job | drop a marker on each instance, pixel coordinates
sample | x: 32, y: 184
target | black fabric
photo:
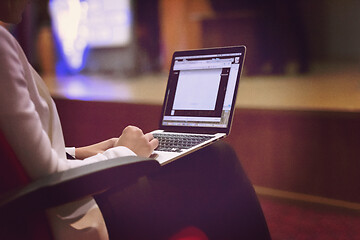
x: 68, y: 156
x: 207, y: 189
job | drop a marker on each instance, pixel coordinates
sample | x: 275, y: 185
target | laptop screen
x: 202, y: 89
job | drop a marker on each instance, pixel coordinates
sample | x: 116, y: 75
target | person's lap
x: 207, y: 189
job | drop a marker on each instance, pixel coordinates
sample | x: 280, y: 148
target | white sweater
x: 30, y: 122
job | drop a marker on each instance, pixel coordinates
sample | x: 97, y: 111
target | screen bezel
x: 206, y: 51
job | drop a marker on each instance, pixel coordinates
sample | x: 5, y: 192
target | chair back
x: 12, y: 177
x: 12, y: 174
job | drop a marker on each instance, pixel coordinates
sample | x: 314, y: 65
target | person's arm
x: 19, y: 117
x: 132, y: 138
x: 91, y: 150
x: 22, y: 119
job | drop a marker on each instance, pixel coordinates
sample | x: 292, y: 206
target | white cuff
x: 111, y: 153
x: 119, y: 151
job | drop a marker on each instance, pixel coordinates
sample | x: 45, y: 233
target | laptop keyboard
x: 177, y: 142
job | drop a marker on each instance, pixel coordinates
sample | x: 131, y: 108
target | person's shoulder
x: 4, y: 33
x: 7, y: 40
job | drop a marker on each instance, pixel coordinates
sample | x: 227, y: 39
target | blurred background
x: 297, y: 124
x: 287, y: 43
x: 134, y: 36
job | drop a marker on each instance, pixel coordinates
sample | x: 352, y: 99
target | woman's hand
x: 91, y: 150
x: 138, y: 142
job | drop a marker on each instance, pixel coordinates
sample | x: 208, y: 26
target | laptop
x: 199, y: 100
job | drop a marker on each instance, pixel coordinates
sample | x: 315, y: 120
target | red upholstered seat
x: 189, y: 233
x: 13, y: 176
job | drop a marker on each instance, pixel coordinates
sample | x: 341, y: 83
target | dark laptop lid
x: 201, y: 91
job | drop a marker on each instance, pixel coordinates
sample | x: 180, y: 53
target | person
x: 207, y: 189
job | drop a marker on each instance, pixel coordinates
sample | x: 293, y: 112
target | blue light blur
x: 80, y: 25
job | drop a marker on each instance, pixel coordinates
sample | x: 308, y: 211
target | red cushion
x: 12, y: 176
x: 190, y: 233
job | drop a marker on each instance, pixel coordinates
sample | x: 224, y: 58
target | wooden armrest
x: 73, y: 184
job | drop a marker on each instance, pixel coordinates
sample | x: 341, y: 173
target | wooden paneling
x: 180, y: 24
x: 310, y: 152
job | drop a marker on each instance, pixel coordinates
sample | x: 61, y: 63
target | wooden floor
x: 333, y: 87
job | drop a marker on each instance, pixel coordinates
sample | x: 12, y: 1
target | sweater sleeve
x: 108, y: 154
